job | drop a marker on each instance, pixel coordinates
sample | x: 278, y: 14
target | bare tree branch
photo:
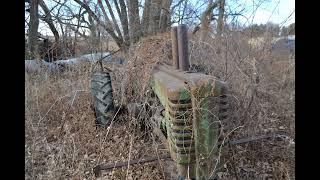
x: 94, y: 16
x: 48, y: 19
x: 173, y: 7
x: 113, y: 18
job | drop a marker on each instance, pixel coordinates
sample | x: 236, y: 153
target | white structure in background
x: 87, y: 57
x: 291, y: 37
x: 37, y: 66
x: 284, y: 42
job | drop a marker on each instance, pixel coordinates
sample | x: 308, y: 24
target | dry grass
x: 262, y: 96
x: 62, y: 141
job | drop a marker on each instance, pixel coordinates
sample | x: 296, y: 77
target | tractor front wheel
x: 101, y: 91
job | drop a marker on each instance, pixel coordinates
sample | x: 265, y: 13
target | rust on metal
x: 183, y: 47
x: 175, y: 58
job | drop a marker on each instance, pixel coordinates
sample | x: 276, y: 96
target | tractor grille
x: 180, y: 132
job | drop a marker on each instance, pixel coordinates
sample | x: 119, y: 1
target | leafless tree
x: 134, y: 21
x: 145, y: 16
x: 120, y: 19
x: 48, y: 19
x: 220, y: 18
x: 206, y: 18
x: 155, y: 18
x: 165, y: 15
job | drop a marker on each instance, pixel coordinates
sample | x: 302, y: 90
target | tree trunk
x: 220, y: 18
x: 117, y: 8
x: 146, y: 16
x: 206, y: 19
x: 93, y: 37
x: 106, y: 18
x: 134, y: 21
x: 33, y: 28
x: 155, y: 8
x: 124, y: 20
x: 165, y: 15
x: 114, y: 19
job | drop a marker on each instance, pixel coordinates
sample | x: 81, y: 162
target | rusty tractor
x: 193, y: 107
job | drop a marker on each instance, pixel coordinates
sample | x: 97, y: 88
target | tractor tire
x: 101, y: 91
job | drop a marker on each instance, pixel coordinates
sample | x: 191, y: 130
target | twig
x: 74, y: 97
x: 59, y: 99
x: 100, y: 60
x: 129, y: 158
x: 97, y: 169
x: 254, y: 138
x: 241, y: 141
x: 220, y: 148
x: 250, y: 139
x: 233, y: 159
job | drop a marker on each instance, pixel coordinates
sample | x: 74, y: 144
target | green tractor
x: 194, y: 105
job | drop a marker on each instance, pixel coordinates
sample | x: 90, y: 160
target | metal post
x: 183, y: 47
x: 175, y: 57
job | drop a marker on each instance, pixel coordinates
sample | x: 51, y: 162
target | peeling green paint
x: 184, y: 94
x: 205, y: 132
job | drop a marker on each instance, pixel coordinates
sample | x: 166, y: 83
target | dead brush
x: 61, y: 137
x: 63, y: 142
x: 261, y: 95
x: 48, y: 98
x: 135, y: 87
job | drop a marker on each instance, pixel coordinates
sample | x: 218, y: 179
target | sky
x: 276, y: 11
x: 255, y: 11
